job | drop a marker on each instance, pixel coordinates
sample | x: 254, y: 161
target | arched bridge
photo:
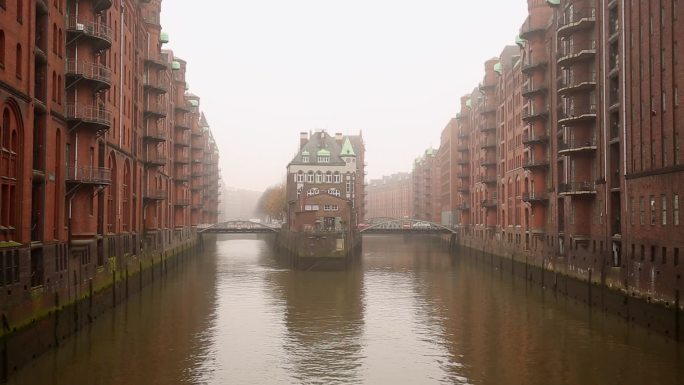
x: 239, y: 227
x: 404, y: 226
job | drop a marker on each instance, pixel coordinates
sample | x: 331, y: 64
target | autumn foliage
x: 273, y: 203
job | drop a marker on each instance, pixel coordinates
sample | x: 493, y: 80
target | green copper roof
x: 553, y: 2
x: 323, y: 152
x: 430, y: 151
x: 164, y: 37
x: 193, y: 103
x: 469, y: 103
x: 498, y: 68
x: 305, y: 152
x: 347, y: 149
x: 175, y: 65
x: 519, y: 41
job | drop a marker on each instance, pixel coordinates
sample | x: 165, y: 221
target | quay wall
x: 47, y: 315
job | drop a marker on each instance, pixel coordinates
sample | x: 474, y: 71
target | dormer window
x: 305, y: 158
x: 324, y: 159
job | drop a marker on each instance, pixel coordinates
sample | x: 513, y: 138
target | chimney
x: 338, y: 137
x: 303, y: 139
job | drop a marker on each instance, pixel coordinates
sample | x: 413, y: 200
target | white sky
x: 395, y: 69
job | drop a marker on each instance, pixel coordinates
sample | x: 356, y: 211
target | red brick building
x: 569, y: 151
x: 105, y: 161
x: 327, y: 171
x: 390, y: 197
x: 426, y: 188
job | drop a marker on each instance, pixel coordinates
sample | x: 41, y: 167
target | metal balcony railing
x: 489, y: 203
x: 88, y: 174
x: 154, y: 133
x: 91, y: 29
x: 532, y: 137
x: 89, y: 114
x: 535, y: 162
x: 90, y: 71
x: 155, y: 194
x: 534, y: 196
x: 586, y: 187
x: 577, y: 145
x: 570, y: 21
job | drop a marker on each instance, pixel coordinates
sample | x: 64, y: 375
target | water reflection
x: 406, y: 313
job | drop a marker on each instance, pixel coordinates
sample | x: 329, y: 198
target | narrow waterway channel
x: 406, y: 313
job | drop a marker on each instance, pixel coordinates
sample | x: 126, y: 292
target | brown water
x: 407, y: 313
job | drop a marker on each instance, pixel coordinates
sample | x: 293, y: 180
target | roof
x: 322, y: 143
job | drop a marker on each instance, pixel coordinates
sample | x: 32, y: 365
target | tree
x: 272, y: 202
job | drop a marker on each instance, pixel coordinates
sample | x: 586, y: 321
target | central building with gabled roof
x: 325, y: 183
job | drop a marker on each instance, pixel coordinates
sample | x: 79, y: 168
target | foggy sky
x: 394, y: 69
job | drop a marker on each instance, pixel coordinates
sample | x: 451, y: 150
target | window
x: 631, y: 211
x: 299, y: 178
x: 641, y: 210
x: 19, y: 61
x: 328, y: 178
x: 305, y: 158
x: 2, y: 49
x: 319, y: 178
x: 652, y: 204
x: 323, y: 159
x: 310, y: 177
x: 20, y: 10
x: 312, y: 192
x: 334, y: 192
x: 338, y: 178
x: 663, y: 209
x: 311, y: 208
x: 327, y: 208
x: 335, y: 207
x: 675, y: 210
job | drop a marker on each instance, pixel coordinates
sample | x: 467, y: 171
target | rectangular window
x: 335, y: 207
x: 676, y: 256
x: 652, y: 204
x: 675, y: 210
x: 663, y: 209
x: 641, y: 210
x: 664, y: 255
x: 305, y: 159
x: 326, y: 207
x: 631, y: 211
x: 310, y: 178
x: 338, y: 178
x: 328, y: 178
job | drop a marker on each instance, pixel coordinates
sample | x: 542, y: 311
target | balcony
x: 183, y: 107
x: 462, y: 148
x: 575, y: 84
x: 88, y: 175
x: 532, y: 114
x: 98, y: 33
x: 463, y: 175
x: 153, y: 19
x: 182, y: 176
x: 488, y: 127
x: 463, y: 162
x: 487, y: 179
x: 577, y: 115
x: 488, y: 144
x: 489, y: 162
x: 487, y: 110
x: 487, y: 86
x: 155, y: 86
x: 182, y: 202
x: 530, y: 137
x: 182, y: 140
x: 535, y: 197
x: 533, y: 26
x: 534, y: 64
x: 88, y: 116
x: 156, y: 61
x: 577, y: 188
x: 572, y: 22
x: 183, y: 123
x: 532, y: 89
x: 573, y: 54
x: 154, y: 194
x: 182, y: 159
x: 463, y: 189
x: 155, y: 110
x: 99, y: 76
x: 154, y: 134
x: 463, y: 207
x: 463, y: 135
x: 577, y: 146
x: 489, y: 203
x: 155, y: 160
x: 530, y: 164
x: 101, y: 5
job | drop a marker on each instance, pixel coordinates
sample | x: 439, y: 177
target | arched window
x: 9, y: 170
x: 2, y: 49
x: 58, y: 86
x: 19, y: 61
x: 20, y: 10
x: 54, y: 38
x: 54, y: 86
x: 319, y: 177
x: 337, y: 177
x: 310, y: 177
x: 60, y: 43
x: 328, y: 177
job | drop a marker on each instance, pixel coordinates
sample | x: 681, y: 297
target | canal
x: 406, y: 313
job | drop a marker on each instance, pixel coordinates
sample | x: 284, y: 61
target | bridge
x: 404, y: 226
x: 239, y: 227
